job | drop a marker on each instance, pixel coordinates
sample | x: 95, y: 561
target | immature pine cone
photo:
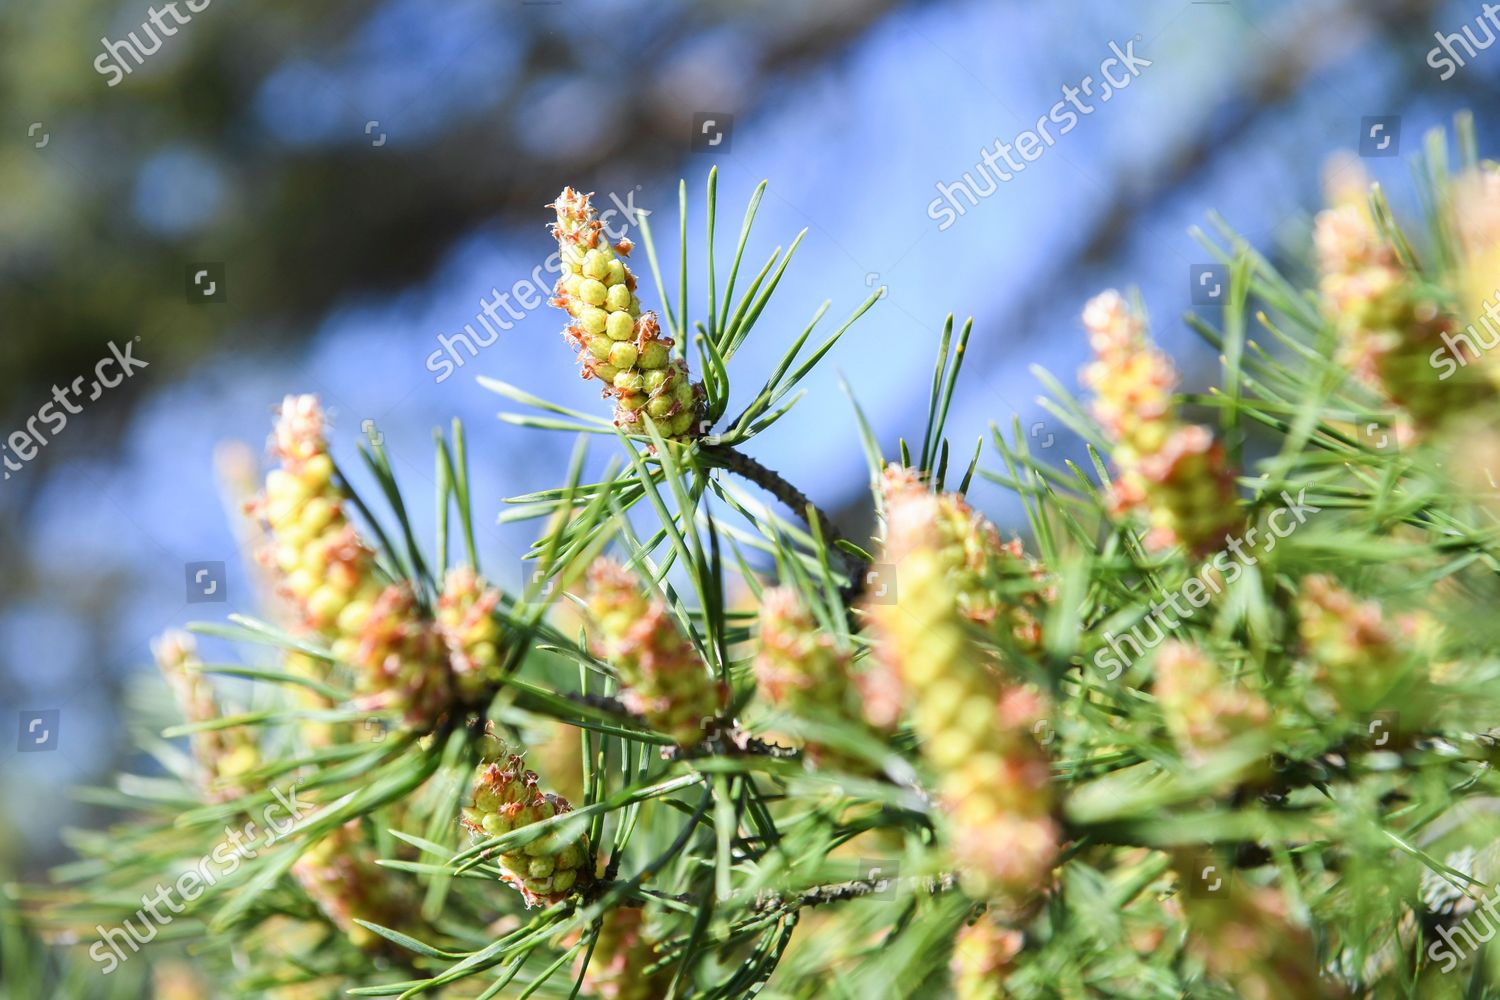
x: 313, y: 733
x: 402, y: 661
x: 1245, y: 937
x: 975, y: 735
x: 1389, y: 325
x: 1203, y: 710
x: 661, y: 675
x: 330, y: 574
x: 339, y: 874
x: 505, y: 799
x: 998, y: 586
x: 1359, y: 653
x: 223, y: 756
x: 1477, y: 215
x: 983, y: 953
x: 800, y: 668
x: 621, y: 954
x: 321, y: 563
x: 466, y: 617
x: 616, y: 343
x: 1175, y: 472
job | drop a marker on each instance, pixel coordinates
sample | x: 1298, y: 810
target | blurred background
x: 287, y: 197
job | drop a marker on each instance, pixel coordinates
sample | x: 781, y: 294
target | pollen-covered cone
x: 339, y: 873
x: 881, y: 695
x: 661, y: 675
x: 223, y: 756
x: 505, y: 799
x: 799, y: 668
x: 1187, y: 489
x: 321, y: 563
x: 1245, y: 937
x: 312, y: 732
x: 329, y: 573
x: 475, y: 641
x: 1476, y: 199
x: 402, y: 660
x: 1133, y: 381
x: 983, y: 953
x: 997, y: 585
x: 1359, y: 653
x: 1203, y: 710
x: 314, y: 554
x: 324, y: 988
x: 616, y: 342
x: 1175, y: 472
x: 176, y: 980
x: 994, y: 780
x: 621, y: 955
x: 1393, y: 331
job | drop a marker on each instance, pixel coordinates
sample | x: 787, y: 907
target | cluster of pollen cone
x: 404, y: 657
x: 946, y: 653
x: 418, y: 663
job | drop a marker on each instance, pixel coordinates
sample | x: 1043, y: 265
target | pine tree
x: 1221, y: 726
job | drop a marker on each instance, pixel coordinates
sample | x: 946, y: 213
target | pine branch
x: 858, y: 888
x: 732, y: 460
x: 721, y: 739
x: 837, y: 892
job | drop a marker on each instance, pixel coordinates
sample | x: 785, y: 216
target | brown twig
x: 853, y: 890
x: 721, y: 738
x: 731, y: 460
x: 834, y: 893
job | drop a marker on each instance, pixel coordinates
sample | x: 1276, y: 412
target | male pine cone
x: 661, y: 676
x: 475, y: 640
x: 622, y: 952
x: 801, y: 669
x: 1173, y: 471
x: 505, y: 799
x: 223, y: 756
x: 617, y: 344
x: 340, y: 875
x: 330, y: 575
x: 976, y: 733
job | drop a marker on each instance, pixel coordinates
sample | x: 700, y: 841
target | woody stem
x: 731, y: 460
